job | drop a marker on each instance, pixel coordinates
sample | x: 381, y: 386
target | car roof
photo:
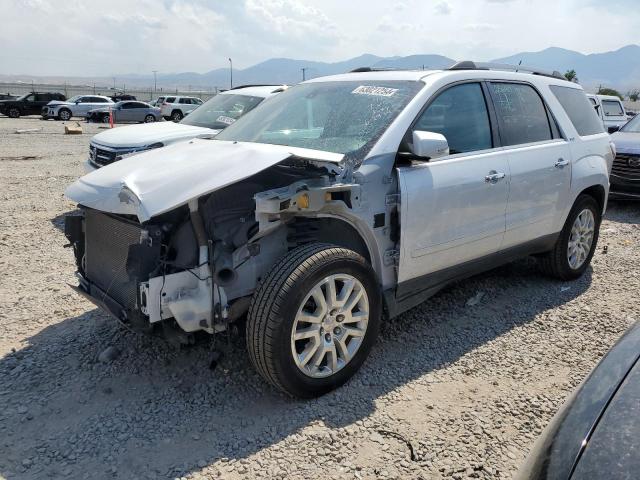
x: 263, y: 91
x: 454, y: 75
x: 608, y: 97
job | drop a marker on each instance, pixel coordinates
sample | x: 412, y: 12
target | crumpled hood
x: 626, y: 142
x: 157, y: 181
x: 149, y: 133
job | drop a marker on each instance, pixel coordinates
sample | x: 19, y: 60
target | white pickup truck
x: 610, y: 110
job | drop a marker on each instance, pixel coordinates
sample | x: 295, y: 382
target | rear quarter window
x: 612, y: 108
x: 579, y: 110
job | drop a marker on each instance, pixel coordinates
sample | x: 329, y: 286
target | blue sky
x: 91, y: 37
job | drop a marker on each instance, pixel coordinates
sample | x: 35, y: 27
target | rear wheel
x: 105, y: 118
x: 577, y: 242
x: 176, y: 115
x: 13, y: 112
x: 149, y: 119
x: 64, y: 114
x: 313, y: 320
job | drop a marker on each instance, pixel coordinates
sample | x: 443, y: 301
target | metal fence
x: 141, y: 93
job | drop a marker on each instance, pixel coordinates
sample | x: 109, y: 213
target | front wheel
x: 149, y: 119
x: 313, y: 319
x: 176, y: 116
x: 64, y: 114
x: 577, y: 242
x: 13, y: 113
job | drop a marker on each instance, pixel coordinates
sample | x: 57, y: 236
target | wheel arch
x: 335, y: 230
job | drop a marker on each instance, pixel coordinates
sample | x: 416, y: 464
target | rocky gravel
x: 459, y: 387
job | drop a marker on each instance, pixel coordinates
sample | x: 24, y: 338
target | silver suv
x: 340, y: 203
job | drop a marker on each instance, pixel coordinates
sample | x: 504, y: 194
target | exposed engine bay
x: 195, y: 267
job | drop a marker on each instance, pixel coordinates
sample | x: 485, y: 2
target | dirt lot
x: 467, y: 387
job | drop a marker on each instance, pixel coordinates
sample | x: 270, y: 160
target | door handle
x: 494, y: 177
x: 561, y: 163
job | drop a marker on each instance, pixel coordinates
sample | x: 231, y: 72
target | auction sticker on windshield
x: 226, y: 120
x: 376, y: 91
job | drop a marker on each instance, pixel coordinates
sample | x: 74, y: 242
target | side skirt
x: 412, y: 292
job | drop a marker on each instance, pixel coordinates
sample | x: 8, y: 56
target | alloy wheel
x: 581, y: 238
x: 330, y: 325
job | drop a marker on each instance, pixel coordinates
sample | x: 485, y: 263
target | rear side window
x: 170, y: 99
x: 612, y: 108
x: 522, y: 114
x: 579, y: 109
x: 460, y: 114
x: 185, y: 100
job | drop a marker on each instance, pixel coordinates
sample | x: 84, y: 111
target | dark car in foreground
x: 596, y: 434
x: 126, y: 112
x: 625, y: 173
x: 28, y: 104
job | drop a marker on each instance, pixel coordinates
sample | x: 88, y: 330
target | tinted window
x: 612, y: 108
x: 99, y: 100
x: 30, y: 98
x: 521, y: 113
x: 579, y: 109
x: 170, y: 99
x: 460, y: 114
x: 185, y: 100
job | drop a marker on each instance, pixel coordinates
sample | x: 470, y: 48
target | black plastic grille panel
x: 627, y: 166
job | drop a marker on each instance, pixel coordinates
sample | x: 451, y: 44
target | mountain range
x: 618, y: 69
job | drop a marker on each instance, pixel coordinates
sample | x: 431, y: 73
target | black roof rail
x: 257, y: 85
x: 374, y: 69
x: 469, y: 65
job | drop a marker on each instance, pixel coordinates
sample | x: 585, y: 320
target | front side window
x: 612, y: 108
x: 460, y: 114
x: 581, y: 113
x: 522, y: 114
x: 339, y: 117
x: 222, y: 110
x: 170, y: 99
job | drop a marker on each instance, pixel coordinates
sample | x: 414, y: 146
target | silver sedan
x: 126, y: 111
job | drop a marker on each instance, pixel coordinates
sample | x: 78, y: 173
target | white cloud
x: 87, y: 37
x: 443, y: 8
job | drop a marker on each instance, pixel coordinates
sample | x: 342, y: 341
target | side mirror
x: 429, y: 145
x: 614, y: 129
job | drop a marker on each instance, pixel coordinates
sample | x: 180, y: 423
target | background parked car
x: 595, y: 434
x: 29, y: 104
x: 175, y: 108
x: 610, y: 110
x: 121, y: 97
x: 77, y: 106
x: 7, y: 96
x: 157, y: 102
x: 126, y: 111
x: 625, y: 173
x: 214, y: 115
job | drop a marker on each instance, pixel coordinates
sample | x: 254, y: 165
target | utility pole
x: 230, y: 73
x: 114, y: 83
x: 304, y: 71
x: 155, y: 82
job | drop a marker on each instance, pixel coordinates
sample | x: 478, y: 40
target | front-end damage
x: 194, y: 267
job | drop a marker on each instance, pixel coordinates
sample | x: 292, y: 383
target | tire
x: 149, y: 119
x: 276, y: 311
x: 64, y: 114
x: 105, y: 118
x: 13, y: 112
x: 558, y: 263
x: 176, y: 115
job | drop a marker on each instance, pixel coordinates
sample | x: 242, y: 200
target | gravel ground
x: 450, y: 390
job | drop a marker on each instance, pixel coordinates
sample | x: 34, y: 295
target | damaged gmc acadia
x: 340, y: 202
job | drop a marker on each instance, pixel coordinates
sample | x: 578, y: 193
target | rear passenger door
x: 453, y: 207
x: 539, y: 161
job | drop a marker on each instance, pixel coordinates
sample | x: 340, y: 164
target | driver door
x: 453, y: 208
